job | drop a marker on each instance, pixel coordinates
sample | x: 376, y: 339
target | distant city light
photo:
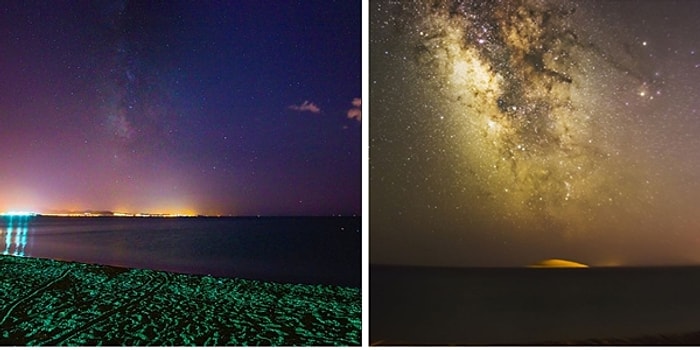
x: 18, y: 213
x: 96, y: 214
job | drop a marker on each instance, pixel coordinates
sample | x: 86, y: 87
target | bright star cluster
x: 526, y: 128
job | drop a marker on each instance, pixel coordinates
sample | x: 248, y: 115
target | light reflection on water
x: 15, y: 231
x: 309, y: 250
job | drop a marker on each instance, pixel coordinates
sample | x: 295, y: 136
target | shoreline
x: 52, y: 302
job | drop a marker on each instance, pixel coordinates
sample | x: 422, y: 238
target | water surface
x: 310, y: 250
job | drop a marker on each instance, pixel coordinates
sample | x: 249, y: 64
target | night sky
x: 209, y: 107
x: 508, y: 132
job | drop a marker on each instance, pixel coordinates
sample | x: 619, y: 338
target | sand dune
x: 558, y: 263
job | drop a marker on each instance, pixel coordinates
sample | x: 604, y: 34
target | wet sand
x: 48, y: 302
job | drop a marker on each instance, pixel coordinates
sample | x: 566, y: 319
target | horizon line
x: 107, y: 213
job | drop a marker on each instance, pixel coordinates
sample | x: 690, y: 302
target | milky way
x: 181, y: 107
x: 517, y: 126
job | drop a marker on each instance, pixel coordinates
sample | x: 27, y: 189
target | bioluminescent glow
x: 16, y: 234
x: 168, y: 308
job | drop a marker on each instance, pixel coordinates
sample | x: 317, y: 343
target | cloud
x: 306, y: 107
x: 356, y: 111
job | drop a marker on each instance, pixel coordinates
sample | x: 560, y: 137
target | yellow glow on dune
x: 549, y: 263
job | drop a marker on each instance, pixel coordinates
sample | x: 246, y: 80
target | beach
x: 521, y: 306
x: 51, y: 302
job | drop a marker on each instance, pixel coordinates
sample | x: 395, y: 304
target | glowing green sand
x: 47, y: 302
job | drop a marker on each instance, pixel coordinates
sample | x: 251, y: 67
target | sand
x: 518, y: 306
x: 692, y: 338
x: 48, y: 302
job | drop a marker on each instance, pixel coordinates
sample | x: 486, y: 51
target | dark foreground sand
x: 668, y: 339
x: 47, y: 302
x: 518, y: 306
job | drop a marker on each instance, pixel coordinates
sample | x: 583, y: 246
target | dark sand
x: 668, y: 339
x: 47, y: 302
x: 519, y: 306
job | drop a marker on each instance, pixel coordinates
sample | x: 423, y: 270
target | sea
x: 523, y: 306
x: 303, y: 250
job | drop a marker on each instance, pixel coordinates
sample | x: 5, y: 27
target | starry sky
x: 508, y: 132
x: 215, y: 107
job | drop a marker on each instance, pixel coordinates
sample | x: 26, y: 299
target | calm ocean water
x: 420, y: 305
x: 310, y: 250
